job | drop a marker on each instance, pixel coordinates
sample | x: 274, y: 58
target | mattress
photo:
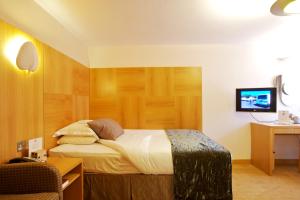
x: 96, y: 158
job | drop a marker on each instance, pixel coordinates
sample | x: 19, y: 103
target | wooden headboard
x: 150, y: 98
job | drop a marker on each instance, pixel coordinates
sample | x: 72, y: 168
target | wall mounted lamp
x: 286, y: 7
x: 27, y: 58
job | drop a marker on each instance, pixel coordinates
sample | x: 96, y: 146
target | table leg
x: 262, y: 155
x: 299, y: 153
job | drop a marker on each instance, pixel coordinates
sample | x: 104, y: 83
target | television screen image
x: 256, y: 99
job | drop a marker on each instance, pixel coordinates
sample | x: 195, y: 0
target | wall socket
x: 21, y: 145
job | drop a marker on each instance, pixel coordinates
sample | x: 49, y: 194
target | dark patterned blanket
x: 202, y: 168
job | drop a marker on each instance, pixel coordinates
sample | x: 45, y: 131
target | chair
x: 30, y: 181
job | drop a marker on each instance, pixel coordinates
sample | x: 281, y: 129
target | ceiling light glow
x: 293, y: 8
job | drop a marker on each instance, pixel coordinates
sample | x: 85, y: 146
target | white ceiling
x: 73, y: 26
x: 152, y: 22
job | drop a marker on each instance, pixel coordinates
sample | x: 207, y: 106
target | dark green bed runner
x: 202, y: 168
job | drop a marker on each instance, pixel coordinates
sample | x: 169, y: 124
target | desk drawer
x: 297, y: 130
x: 284, y: 130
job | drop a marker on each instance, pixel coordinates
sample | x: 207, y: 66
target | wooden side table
x: 71, y: 170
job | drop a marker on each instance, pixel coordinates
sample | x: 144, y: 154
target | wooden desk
x: 71, y: 169
x: 262, y: 143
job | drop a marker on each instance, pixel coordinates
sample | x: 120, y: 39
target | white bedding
x: 136, y: 151
x: 148, y: 150
x: 96, y: 158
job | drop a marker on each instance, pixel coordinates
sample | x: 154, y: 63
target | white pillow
x: 79, y: 128
x: 68, y: 139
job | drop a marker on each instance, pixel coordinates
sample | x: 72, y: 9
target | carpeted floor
x: 250, y: 183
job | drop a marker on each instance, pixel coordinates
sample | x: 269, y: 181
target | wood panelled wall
x: 66, y: 93
x: 58, y: 93
x: 35, y: 104
x: 152, y: 98
x: 21, y: 97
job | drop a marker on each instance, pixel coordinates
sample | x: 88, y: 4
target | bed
x: 153, y: 164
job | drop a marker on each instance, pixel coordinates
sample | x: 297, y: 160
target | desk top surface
x: 277, y: 125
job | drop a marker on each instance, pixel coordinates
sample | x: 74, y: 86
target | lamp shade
x: 27, y: 58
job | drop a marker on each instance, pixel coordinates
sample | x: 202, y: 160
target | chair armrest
x: 27, y: 178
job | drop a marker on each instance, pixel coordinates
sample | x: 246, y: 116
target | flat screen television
x: 256, y: 99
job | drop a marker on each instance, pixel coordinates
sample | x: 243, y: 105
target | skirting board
x: 241, y: 161
x: 277, y: 161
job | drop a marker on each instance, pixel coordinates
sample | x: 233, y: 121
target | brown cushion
x: 106, y: 128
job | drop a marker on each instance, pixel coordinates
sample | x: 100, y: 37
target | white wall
x: 225, y: 68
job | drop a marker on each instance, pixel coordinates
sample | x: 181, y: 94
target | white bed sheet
x: 96, y: 158
x: 148, y: 150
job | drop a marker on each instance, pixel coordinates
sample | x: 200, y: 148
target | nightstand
x: 70, y: 170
